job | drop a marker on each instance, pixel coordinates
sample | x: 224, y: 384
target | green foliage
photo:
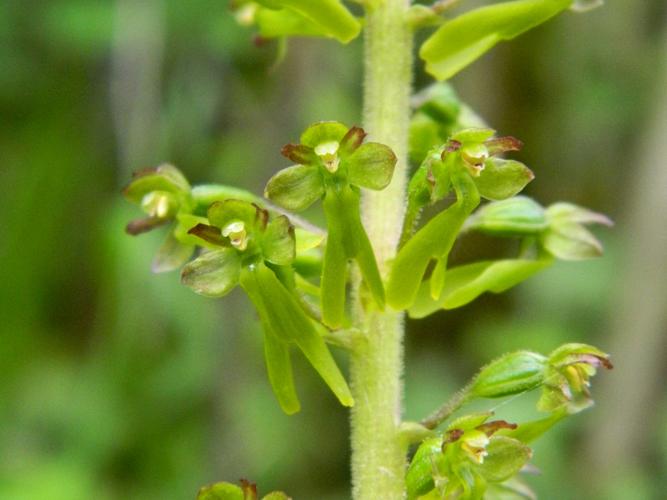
x: 229, y: 491
x: 466, y: 38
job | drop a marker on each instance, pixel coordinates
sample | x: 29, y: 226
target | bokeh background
x: 118, y: 384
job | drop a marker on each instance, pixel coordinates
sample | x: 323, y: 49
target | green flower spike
x: 229, y: 491
x: 468, y: 163
x: 252, y: 251
x: 466, y: 459
x: 567, y: 377
x: 332, y: 164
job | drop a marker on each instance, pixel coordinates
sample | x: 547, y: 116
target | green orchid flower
x: 466, y: 459
x: 467, y: 163
x: 248, y: 249
x: 165, y: 195
x: 333, y: 162
x: 567, y: 377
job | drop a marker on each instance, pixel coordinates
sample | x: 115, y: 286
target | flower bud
x: 518, y: 216
x: 567, y: 377
x: 510, y: 374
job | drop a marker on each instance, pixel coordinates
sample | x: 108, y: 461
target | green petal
x: 501, y: 179
x: 570, y: 241
x: 575, y: 213
x: 207, y: 194
x: 163, y: 178
x: 278, y: 243
x: 371, y: 166
x: 459, y: 42
x: 213, y: 274
x: 321, y: 132
x: 295, y: 188
x: 306, y: 240
x: 290, y: 323
x: 171, y: 255
x: 222, y: 213
x: 528, y: 432
x: 506, y: 457
x: 279, y: 368
x: 463, y: 284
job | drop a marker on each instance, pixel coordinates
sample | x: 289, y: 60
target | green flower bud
x: 510, y: 374
x: 518, y: 216
x: 567, y: 377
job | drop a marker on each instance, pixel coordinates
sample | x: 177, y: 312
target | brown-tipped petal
x: 208, y: 233
x: 489, y: 428
x: 298, y: 153
x: 499, y: 145
x: 249, y: 489
x: 452, y: 146
x: 144, y: 225
x: 352, y: 140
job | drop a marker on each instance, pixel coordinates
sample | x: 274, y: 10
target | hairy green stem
x: 378, y: 452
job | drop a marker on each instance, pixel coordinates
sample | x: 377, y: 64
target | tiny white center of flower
x: 328, y: 152
x: 475, y: 446
x: 237, y: 235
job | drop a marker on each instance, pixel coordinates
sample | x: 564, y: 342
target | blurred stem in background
x: 630, y: 399
x: 136, y: 66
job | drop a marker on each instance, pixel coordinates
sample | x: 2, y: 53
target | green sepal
x: 276, y: 495
x: 184, y: 224
x: 470, y: 421
x: 278, y: 241
x: 221, y: 491
x: 327, y: 18
x: 214, y: 273
x: 506, y: 457
x: 171, y: 255
x: 510, y: 374
x: 461, y: 41
x: 570, y: 241
x: 501, y: 179
x: 419, y: 477
x: 371, y: 166
x: 346, y: 239
x: 307, y: 240
x: 223, y: 213
x: 279, y: 369
x: 206, y: 194
x: 465, y: 283
x: 563, y: 211
x: 527, y: 432
x: 433, y: 241
x: 165, y: 178
x: 289, y: 323
x: 473, y: 135
x: 323, y: 132
x: 519, y: 216
x: 295, y: 188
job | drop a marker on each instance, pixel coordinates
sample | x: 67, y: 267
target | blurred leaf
x: 461, y: 41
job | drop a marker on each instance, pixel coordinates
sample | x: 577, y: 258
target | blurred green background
x: 118, y: 384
